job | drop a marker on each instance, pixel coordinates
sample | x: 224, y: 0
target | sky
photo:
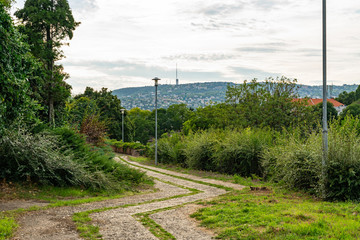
x: 126, y: 43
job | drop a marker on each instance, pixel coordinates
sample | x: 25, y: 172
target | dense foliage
x: 16, y: 65
x: 31, y: 151
x: 227, y: 151
x: 291, y: 158
x: 61, y: 157
x: 256, y: 104
x: 349, y: 97
x: 47, y: 23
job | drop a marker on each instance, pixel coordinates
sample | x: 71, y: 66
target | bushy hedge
x: 120, y: 146
x: 61, y: 157
x: 240, y: 152
x: 293, y: 159
x: 297, y: 162
x: 171, y: 148
x: 227, y: 151
x: 200, y: 149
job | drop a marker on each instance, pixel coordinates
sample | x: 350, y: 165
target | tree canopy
x: 16, y: 66
x: 47, y: 23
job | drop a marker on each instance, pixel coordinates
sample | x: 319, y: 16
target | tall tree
x: 48, y: 23
x: 16, y: 66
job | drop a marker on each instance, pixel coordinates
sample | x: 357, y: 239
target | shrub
x: 200, y: 147
x: 123, y: 147
x: 93, y: 128
x: 62, y: 157
x: 99, y: 158
x: 343, y: 167
x: 38, y: 158
x: 240, y: 151
x: 294, y: 161
x: 171, y: 148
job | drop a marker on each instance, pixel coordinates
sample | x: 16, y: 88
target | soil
x: 57, y: 224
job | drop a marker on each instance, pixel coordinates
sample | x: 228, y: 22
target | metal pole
x: 122, y: 127
x: 156, y: 163
x: 325, y: 127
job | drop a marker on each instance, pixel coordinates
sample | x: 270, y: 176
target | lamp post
x: 325, y: 127
x: 156, y: 79
x: 122, y: 124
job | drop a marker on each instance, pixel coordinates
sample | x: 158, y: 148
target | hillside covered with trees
x: 196, y: 95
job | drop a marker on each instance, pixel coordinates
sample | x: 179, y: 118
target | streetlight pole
x: 122, y: 124
x: 325, y: 127
x: 156, y: 79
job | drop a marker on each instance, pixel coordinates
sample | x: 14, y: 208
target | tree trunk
x: 51, y: 111
x: 50, y: 64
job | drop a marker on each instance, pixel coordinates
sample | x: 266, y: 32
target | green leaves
x: 16, y: 65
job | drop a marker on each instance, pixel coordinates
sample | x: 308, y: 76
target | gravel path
x: 57, y: 224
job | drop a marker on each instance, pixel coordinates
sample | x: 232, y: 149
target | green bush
x: 297, y: 161
x: 62, y: 157
x: 294, y: 161
x: 200, y: 148
x: 99, y: 158
x: 124, y: 146
x: 343, y: 168
x: 240, y: 151
x: 37, y: 158
x: 171, y: 148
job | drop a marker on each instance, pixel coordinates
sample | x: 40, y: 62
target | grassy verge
x: 277, y: 215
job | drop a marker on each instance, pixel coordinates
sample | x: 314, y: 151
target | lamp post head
x: 122, y: 110
x: 156, y: 79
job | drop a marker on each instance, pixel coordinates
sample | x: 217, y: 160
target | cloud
x: 259, y: 49
x: 202, y: 57
x: 269, y: 4
x: 83, y: 5
x: 250, y: 73
x: 221, y: 9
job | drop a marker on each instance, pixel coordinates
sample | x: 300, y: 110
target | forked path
x: 175, y: 189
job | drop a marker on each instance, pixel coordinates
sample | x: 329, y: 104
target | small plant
x: 93, y: 128
x: 7, y: 224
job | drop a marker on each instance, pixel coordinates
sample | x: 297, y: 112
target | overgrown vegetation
x: 61, y: 157
x: 291, y: 158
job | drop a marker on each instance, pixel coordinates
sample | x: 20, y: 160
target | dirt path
x: 119, y: 223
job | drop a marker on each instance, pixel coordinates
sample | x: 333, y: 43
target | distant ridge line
x: 200, y: 94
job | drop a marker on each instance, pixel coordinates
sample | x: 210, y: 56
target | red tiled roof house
x: 314, y: 101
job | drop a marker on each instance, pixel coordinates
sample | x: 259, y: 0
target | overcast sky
x: 125, y: 43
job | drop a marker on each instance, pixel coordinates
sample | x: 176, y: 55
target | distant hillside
x: 200, y: 94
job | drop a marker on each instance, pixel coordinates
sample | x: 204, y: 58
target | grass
x: 7, y: 224
x: 153, y: 227
x: 278, y: 215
